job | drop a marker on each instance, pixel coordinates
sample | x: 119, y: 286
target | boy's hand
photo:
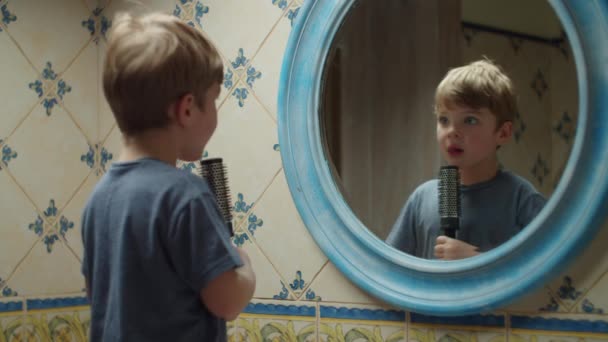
x: 451, y: 249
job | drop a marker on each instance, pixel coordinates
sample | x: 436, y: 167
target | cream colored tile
x: 268, y: 282
x: 368, y: 322
x: 595, y: 302
x: 74, y: 211
x: 106, y: 117
x: 82, y: 102
x: 48, y: 273
x: 583, y: 273
x: 50, y: 31
x: 255, y: 20
x: 269, y: 61
x: 540, y: 300
x: 276, y: 321
x: 49, y: 165
x: 16, y: 75
x: 285, y: 240
x: 331, y: 285
x: 17, y: 214
x: 244, y: 138
x: 113, y: 146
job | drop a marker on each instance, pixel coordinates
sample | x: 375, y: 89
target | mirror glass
x: 377, y: 114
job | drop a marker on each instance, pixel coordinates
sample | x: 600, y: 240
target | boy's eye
x: 442, y: 120
x: 471, y: 120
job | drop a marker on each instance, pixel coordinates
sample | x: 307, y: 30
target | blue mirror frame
x: 481, y: 284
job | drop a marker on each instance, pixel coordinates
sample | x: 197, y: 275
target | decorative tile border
x: 56, y: 303
x: 12, y: 306
x: 279, y: 309
x: 490, y: 321
x: 362, y: 314
x: 556, y: 324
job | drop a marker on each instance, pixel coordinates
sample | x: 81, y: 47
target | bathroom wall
x: 57, y: 137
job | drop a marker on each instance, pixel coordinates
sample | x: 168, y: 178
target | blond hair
x: 480, y: 84
x: 150, y: 63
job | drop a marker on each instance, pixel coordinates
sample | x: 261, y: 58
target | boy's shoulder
x: 517, y: 181
x: 149, y: 178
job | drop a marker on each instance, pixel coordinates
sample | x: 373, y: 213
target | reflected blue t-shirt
x: 153, y: 238
x: 491, y: 213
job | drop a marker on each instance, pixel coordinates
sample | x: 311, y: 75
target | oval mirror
x: 569, y: 219
x: 378, y: 120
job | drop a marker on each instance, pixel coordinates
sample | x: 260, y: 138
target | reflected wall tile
x: 16, y: 239
x: 255, y: 20
x: 274, y: 321
x: 49, y: 269
x: 56, y: 170
x: 481, y: 328
x: 84, y: 83
x: 50, y: 31
x: 286, y: 241
x: 346, y: 322
x: 16, y: 74
x: 331, y: 285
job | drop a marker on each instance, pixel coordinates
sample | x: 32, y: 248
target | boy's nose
x: 453, y: 131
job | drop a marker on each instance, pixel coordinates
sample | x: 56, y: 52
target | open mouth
x: 455, y: 151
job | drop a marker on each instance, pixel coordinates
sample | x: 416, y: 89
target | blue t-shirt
x: 491, y: 213
x: 153, y: 238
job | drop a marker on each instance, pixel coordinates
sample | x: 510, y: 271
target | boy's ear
x: 504, y: 132
x: 181, y: 110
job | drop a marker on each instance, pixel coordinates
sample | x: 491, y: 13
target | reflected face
x: 467, y: 137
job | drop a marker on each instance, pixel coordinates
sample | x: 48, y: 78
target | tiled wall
x: 58, y: 137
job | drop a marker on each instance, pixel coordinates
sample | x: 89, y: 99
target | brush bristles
x: 216, y: 175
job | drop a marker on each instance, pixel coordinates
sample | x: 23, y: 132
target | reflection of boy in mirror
x: 475, y: 107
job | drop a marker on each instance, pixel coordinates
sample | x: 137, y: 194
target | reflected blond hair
x: 480, y: 84
x: 151, y: 62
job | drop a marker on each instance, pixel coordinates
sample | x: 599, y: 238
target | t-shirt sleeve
x: 198, y: 243
x: 529, y: 207
x: 403, y: 233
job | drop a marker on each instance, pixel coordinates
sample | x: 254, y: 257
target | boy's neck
x: 157, y: 144
x: 479, y: 173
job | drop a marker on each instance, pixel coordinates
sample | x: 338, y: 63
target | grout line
x: 25, y: 117
x: 271, y: 31
x: 309, y: 286
x: 20, y: 262
x: 261, y: 103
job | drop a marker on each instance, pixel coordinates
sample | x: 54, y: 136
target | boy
x: 475, y: 107
x: 158, y: 261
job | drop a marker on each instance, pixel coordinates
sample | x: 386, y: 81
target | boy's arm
x: 229, y: 293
